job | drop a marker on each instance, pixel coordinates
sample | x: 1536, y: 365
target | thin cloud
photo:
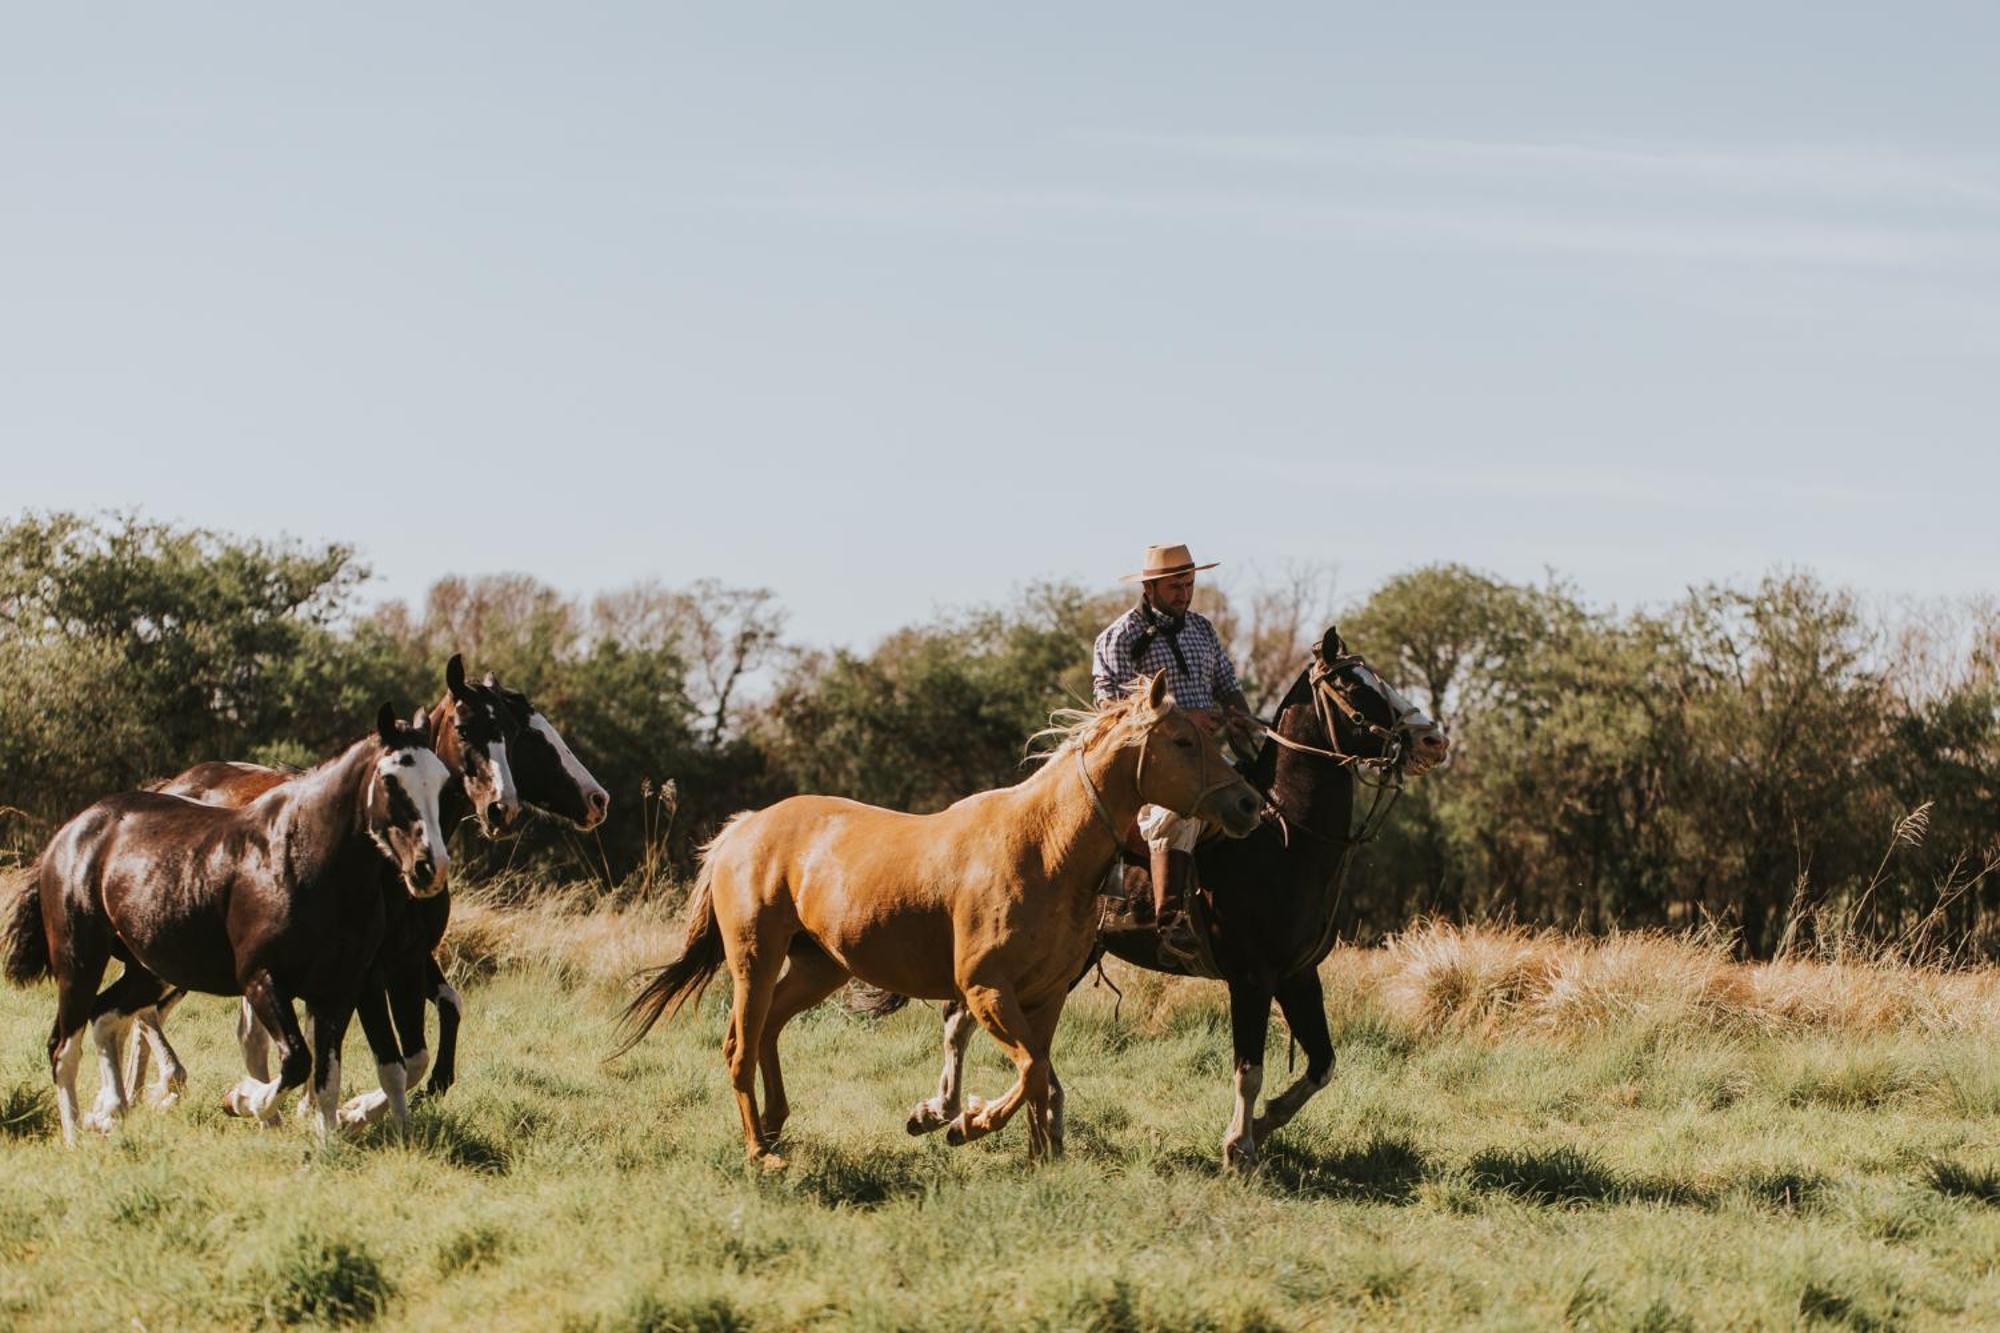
x: 1895, y: 176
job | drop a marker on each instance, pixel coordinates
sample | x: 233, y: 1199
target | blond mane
x: 1076, y: 728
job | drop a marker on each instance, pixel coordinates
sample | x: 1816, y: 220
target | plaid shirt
x: 1114, y: 661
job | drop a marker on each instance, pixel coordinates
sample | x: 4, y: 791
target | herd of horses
x: 329, y: 888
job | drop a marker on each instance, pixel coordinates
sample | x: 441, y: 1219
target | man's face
x: 1172, y: 595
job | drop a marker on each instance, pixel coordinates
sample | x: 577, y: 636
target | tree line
x: 1772, y: 757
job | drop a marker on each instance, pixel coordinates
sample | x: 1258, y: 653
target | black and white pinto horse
x: 276, y: 900
x: 502, y: 754
x: 1267, y: 902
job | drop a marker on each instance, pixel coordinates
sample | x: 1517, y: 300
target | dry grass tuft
x: 1433, y: 979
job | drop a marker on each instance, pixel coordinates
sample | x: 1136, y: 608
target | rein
x: 1387, y: 784
x: 1139, y: 785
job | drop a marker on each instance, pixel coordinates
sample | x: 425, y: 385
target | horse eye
x: 406, y: 761
x: 1185, y: 743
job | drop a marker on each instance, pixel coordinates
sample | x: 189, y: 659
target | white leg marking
x: 417, y: 1063
x: 144, y: 1020
x: 69, y: 1055
x: 256, y: 1043
x: 172, y: 1082
x: 109, y: 1034
x: 1239, y: 1145
x: 328, y: 1120
x: 392, y: 1097
x: 941, y: 1110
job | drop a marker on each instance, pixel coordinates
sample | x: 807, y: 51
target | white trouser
x: 1164, y: 830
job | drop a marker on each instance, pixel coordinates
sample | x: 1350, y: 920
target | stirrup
x: 1174, y: 942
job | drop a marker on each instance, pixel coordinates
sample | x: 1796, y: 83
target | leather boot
x: 1173, y: 880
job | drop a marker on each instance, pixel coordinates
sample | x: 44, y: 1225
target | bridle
x: 1208, y: 788
x: 1383, y: 776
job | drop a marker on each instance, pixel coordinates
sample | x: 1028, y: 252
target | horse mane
x: 1262, y: 771
x: 1075, y: 728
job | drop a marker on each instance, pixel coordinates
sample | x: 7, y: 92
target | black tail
x: 873, y: 1002
x: 27, y: 943
x: 685, y: 978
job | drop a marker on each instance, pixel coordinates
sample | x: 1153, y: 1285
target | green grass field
x: 1638, y: 1171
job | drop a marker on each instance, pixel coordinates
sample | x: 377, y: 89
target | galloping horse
x: 992, y: 901
x: 502, y: 753
x: 271, y: 901
x: 1267, y: 901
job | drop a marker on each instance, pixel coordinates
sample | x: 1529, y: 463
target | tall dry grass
x: 1433, y: 979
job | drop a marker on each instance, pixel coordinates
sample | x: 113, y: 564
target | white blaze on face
x: 421, y: 776
x: 572, y: 767
x: 504, y: 790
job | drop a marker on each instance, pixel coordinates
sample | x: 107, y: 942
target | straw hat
x: 1163, y: 562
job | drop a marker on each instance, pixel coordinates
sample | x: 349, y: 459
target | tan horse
x: 992, y: 901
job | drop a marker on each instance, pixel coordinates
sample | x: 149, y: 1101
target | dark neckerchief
x: 1158, y: 623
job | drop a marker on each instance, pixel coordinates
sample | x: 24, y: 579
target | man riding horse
x: 1162, y: 633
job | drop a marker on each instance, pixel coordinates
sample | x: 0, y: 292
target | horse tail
x: 27, y: 942
x: 873, y: 1002
x: 669, y: 988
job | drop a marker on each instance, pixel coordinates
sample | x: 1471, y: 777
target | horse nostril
x: 600, y: 802
x: 496, y: 815
x: 424, y: 870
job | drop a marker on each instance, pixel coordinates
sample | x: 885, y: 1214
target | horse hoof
x: 770, y: 1161
x: 1239, y: 1158
x: 99, y: 1121
x: 963, y: 1131
x: 923, y: 1120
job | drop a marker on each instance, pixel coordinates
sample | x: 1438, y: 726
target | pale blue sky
x: 891, y: 307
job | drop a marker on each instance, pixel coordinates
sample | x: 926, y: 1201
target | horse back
x: 223, y: 782
x: 159, y: 874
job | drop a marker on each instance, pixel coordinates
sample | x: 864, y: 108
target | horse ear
x: 385, y: 726
x: 1156, y: 693
x: 1332, y: 645
x: 421, y: 723
x: 454, y: 678
x: 492, y: 682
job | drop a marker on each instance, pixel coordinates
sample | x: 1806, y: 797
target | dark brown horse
x: 501, y: 752
x: 1266, y: 903
x: 469, y: 730
x: 275, y: 901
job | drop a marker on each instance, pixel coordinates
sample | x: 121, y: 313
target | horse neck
x: 453, y: 803
x: 1072, y: 832
x: 323, y: 815
x: 1307, y: 789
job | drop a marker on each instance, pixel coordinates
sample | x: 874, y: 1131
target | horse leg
x: 1304, y: 1006
x: 110, y: 1023
x: 941, y: 1110
x: 811, y: 978
x: 373, y: 1011
x: 79, y: 966
x: 1249, y: 1025
x: 755, y: 971
x: 1024, y: 1036
x: 329, y: 1024
x: 272, y: 1008
x: 254, y: 1041
x: 450, y: 1009
x: 150, y: 1042
x: 1055, y: 1119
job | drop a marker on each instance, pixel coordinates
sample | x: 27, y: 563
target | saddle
x: 1125, y: 916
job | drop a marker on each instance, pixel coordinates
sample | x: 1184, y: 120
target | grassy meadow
x: 1524, y: 1131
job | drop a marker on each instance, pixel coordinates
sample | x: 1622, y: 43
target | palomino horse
x: 469, y: 731
x: 502, y: 753
x: 266, y: 901
x: 992, y: 901
x: 1267, y: 901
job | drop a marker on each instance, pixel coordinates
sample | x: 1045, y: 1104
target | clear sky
x: 892, y: 307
